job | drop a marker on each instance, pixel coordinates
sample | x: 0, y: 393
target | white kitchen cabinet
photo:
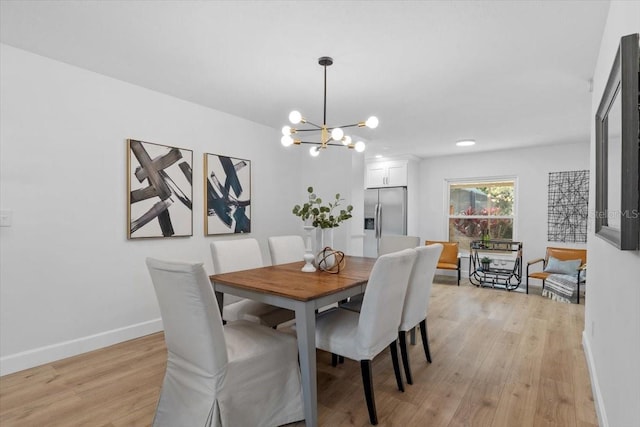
x: 387, y: 174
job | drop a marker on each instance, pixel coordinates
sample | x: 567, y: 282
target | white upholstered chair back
x: 242, y: 374
x: 389, y: 244
x: 244, y: 254
x: 235, y: 255
x: 416, y: 301
x: 190, y: 315
x: 193, y: 332
x: 382, y: 303
x: 286, y: 249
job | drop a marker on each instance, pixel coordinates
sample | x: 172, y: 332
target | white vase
x: 308, y: 252
x: 326, y: 241
x: 326, y: 238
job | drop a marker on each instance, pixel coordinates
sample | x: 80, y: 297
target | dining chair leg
x: 393, y: 347
x: 425, y: 339
x: 405, y: 356
x: 334, y: 360
x: 340, y: 359
x: 367, y: 382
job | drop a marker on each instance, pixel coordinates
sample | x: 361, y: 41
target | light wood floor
x: 499, y: 359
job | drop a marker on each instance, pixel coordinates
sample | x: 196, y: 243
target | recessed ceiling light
x: 465, y: 143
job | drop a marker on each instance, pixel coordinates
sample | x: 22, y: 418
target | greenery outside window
x: 481, y: 208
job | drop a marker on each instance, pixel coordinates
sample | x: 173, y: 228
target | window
x: 481, y: 206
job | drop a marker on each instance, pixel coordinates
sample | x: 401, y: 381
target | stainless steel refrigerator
x: 385, y: 213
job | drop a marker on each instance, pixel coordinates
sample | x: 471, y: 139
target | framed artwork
x: 617, y: 215
x: 160, y: 190
x: 227, y: 195
x: 567, y: 207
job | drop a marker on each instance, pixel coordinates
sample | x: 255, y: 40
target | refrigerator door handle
x: 377, y: 220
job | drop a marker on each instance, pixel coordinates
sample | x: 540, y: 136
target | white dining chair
x: 244, y: 254
x: 286, y: 249
x: 241, y: 374
x: 362, y: 336
x: 416, y: 302
x: 388, y: 244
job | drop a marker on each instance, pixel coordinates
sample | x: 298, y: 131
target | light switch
x: 6, y: 218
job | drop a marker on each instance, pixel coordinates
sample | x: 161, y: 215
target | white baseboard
x: 39, y: 356
x: 595, y: 386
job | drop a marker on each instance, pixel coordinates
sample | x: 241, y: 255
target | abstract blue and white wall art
x: 227, y: 182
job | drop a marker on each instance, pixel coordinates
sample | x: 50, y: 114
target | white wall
x: 414, y: 219
x: 612, y: 319
x: 531, y: 167
x: 335, y: 171
x: 69, y: 279
x: 356, y: 226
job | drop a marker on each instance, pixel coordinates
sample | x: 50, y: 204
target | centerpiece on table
x: 315, y: 214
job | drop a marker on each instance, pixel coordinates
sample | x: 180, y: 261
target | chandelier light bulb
x: 346, y: 140
x: 360, y: 146
x: 314, y: 151
x: 286, y: 140
x: 372, y: 122
x: 286, y: 130
x: 337, y: 134
x: 295, y: 117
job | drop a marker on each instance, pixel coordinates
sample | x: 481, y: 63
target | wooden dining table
x: 286, y: 286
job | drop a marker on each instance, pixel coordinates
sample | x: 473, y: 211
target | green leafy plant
x: 322, y: 215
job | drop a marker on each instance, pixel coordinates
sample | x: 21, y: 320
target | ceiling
x: 508, y: 74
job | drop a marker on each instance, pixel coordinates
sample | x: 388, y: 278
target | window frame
x: 479, y: 180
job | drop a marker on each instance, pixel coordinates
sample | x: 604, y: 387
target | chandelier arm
x: 328, y: 128
x: 348, y: 126
x: 313, y: 124
x: 320, y: 143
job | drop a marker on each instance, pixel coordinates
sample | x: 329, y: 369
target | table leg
x: 306, y: 330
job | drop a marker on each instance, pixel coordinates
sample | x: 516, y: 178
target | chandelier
x: 329, y: 135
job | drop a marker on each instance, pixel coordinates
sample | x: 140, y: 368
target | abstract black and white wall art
x: 568, y: 206
x: 227, y: 184
x: 159, y: 180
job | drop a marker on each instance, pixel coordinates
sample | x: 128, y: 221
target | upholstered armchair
x: 560, y: 261
x: 449, y: 259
